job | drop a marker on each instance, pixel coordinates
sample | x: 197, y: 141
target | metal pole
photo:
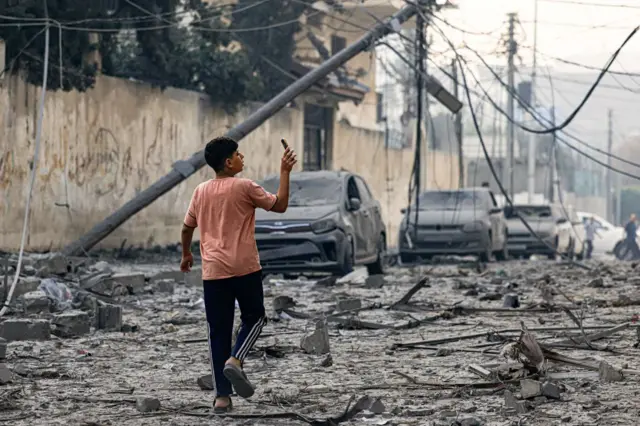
x: 511, y: 135
x: 420, y: 57
x: 609, y: 180
x: 458, y: 125
x: 184, y: 168
x: 552, y: 159
x: 531, y: 157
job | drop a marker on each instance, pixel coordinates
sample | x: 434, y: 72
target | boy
x: 224, y: 209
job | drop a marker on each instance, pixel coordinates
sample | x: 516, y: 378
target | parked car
x: 548, y: 222
x: 457, y: 222
x: 333, y: 223
x: 608, y: 235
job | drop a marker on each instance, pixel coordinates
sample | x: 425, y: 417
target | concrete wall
x: 362, y: 151
x: 100, y: 148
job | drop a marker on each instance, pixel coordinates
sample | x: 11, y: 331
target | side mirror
x: 354, y: 204
x: 561, y: 221
x: 403, y: 211
x: 495, y: 210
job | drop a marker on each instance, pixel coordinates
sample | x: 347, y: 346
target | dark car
x: 453, y: 222
x: 332, y: 223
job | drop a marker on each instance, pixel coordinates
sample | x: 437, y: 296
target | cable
x: 34, y: 167
x: 584, y: 3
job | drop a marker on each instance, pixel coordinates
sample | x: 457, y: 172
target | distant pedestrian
x: 591, y: 230
x: 224, y: 210
x: 631, y: 228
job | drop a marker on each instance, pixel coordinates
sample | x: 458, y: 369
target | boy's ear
x: 227, y: 162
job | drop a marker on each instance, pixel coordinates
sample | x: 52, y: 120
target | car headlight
x: 325, y: 224
x: 473, y: 227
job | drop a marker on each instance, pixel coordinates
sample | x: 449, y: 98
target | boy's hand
x: 288, y: 160
x: 186, y: 263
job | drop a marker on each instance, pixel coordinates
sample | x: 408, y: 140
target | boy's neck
x: 223, y: 175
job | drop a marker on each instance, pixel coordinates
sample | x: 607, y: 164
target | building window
x: 317, y: 137
x: 337, y: 44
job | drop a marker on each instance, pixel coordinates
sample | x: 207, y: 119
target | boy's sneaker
x: 239, y: 380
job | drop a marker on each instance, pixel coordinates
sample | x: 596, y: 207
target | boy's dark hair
x: 218, y: 150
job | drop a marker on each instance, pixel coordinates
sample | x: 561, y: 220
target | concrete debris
x: 103, y: 267
x: 167, y: 275
x: 327, y: 361
x: 327, y: 281
x: 550, y: 390
x: 108, y: 317
x: 26, y: 285
x: 165, y: 286
x: 470, y: 421
x: 99, y: 283
x: 134, y: 284
x: 374, y: 281
x: 25, y: 329
x: 193, y: 278
x: 596, y: 283
x: 6, y: 376
x: 377, y: 407
x: 35, y: 302
x: 147, y: 405
x: 489, y: 297
x: 280, y: 303
x: 511, y: 403
x: 205, y: 382
x: 53, y: 263
x: 608, y: 373
x: 530, y: 388
x: 71, y: 324
x: 348, y: 304
x: 511, y: 301
x: 3, y: 348
x: 317, y: 342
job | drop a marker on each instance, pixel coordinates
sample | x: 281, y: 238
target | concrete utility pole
x: 421, y: 56
x: 552, y: 159
x: 458, y: 125
x: 531, y: 181
x: 512, y: 48
x: 184, y: 168
x: 609, y: 180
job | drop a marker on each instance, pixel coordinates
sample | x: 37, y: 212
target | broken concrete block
x: 530, y: 388
x: 327, y: 362
x: 281, y: 303
x: 205, y: 382
x: 3, y: 348
x: 317, y: 342
x: 167, y: 275
x: 327, y: 281
x: 35, y: 302
x: 511, y: 301
x: 165, y: 286
x: 133, y: 283
x: 26, y: 285
x: 193, y: 278
x: 608, y: 373
x: 377, y: 407
x: 54, y: 263
x: 374, y: 281
x: 103, y: 267
x: 71, y: 324
x: 6, y: 376
x: 147, y: 405
x: 348, y: 304
x: 470, y: 421
x: 596, y: 283
x: 25, y: 329
x: 108, y: 317
x: 98, y: 283
x: 551, y: 390
x: 512, y: 403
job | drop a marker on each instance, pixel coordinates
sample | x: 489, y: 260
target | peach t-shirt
x: 224, y: 210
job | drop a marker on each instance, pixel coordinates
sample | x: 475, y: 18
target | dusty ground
x: 95, y: 379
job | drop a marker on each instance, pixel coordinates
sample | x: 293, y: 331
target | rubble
x: 71, y: 324
x: 374, y: 281
x: 25, y: 329
x: 53, y: 264
x: 530, y: 388
x: 134, y: 283
x: 512, y: 403
x: 108, y: 317
x: 316, y: 342
x: 26, y: 285
x: 608, y: 373
x: 348, y: 304
x: 3, y: 348
x: 6, y: 376
x: 147, y: 405
x: 550, y: 390
x: 165, y: 286
x: 511, y: 301
x: 35, y: 302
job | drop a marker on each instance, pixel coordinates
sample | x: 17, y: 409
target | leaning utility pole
x: 552, y: 158
x: 458, y: 125
x: 421, y: 56
x: 609, y: 181
x: 533, y: 138
x: 511, y: 129
x: 184, y: 168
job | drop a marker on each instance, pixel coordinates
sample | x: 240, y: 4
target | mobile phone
x: 284, y: 144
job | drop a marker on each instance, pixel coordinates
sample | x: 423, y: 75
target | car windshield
x: 449, y: 200
x: 307, y: 191
x: 530, y: 212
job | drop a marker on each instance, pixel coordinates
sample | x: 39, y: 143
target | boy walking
x: 224, y: 210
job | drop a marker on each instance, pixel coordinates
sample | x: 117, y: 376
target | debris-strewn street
x: 124, y: 343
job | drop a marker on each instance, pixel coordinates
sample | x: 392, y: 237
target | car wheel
x: 346, y: 266
x: 485, y: 256
x: 503, y: 255
x: 617, y: 250
x: 571, y: 253
x: 377, y: 267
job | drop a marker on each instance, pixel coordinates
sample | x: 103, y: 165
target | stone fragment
x: 327, y: 281
x: 26, y: 285
x: 317, y: 342
x: 530, y: 388
x: 513, y: 404
x: 99, y: 283
x: 35, y: 302
x: 608, y: 373
x: 167, y: 275
x: 471, y: 421
x: 54, y: 263
x: 281, y: 303
x: 490, y: 296
x: 3, y: 348
x: 374, y: 281
x: 511, y: 301
x: 193, y: 278
x: 551, y: 390
x: 102, y: 266
x: 25, y: 329
x: 71, y: 324
x: 133, y: 283
x: 108, y: 317
x: 6, y: 376
x: 205, y: 382
x: 165, y: 286
x: 596, y: 283
x: 327, y: 362
x: 471, y: 292
x: 348, y: 304
x: 377, y: 407
x: 147, y: 405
